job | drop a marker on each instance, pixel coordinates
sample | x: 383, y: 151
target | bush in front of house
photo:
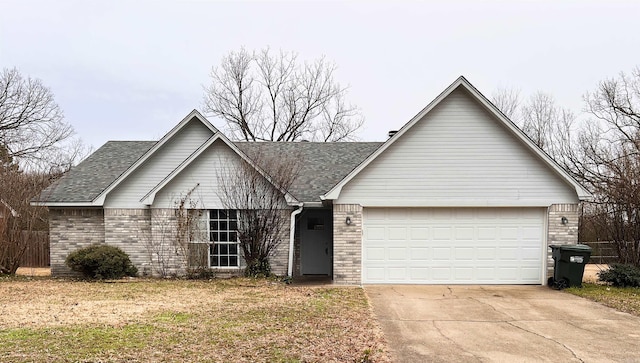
x: 260, y: 268
x: 621, y: 275
x: 101, y: 262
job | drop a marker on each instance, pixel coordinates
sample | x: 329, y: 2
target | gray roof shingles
x: 323, y: 165
x: 87, y: 180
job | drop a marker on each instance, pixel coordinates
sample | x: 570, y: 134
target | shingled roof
x: 94, y: 174
x: 323, y: 166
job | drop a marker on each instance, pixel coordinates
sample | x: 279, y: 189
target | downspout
x: 292, y: 233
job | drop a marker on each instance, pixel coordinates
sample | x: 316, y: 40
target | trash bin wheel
x: 561, y: 284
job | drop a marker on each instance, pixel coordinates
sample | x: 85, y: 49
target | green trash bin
x: 569, y: 261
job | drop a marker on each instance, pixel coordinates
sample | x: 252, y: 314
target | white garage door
x: 453, y: 245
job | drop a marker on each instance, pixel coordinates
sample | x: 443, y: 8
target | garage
x: 453, y: 245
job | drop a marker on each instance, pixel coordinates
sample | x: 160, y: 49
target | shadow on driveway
x: 501, y: 324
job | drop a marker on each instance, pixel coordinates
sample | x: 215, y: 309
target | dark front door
x: 316, y: 241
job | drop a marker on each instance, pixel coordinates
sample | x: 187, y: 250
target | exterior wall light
x: 564, y: 220
x: 348, y: 221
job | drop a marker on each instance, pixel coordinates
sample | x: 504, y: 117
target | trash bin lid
x: 579, y: 248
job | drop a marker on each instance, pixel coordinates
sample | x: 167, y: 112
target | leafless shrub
x: 174, y: 239
x: 257, y: 190
x: 17, y: 216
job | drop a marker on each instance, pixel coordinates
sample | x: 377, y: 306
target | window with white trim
x: 224, y: 249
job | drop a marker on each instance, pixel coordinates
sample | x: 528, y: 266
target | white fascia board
x: 151, y: 195
x: 582, y: 193
x: 440, y: 203
x: 66, y: 204
x: 334, y: 193
x: 149, y: 198
x: 99, y: 200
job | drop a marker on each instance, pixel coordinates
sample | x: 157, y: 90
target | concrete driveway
x: 501, y: 324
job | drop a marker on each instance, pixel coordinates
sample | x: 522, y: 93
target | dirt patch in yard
x: 155, y: 320
x: 33, y: 271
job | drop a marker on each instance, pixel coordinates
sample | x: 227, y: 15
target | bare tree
x: 18, y: 219
x: 508, y: 101
x: 31, y: 122
x: 263, y: 97
x: 257, y: 191
x: 605, y: 156
x: 547, y: 124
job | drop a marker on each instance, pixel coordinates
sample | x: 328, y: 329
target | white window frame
x: 213, y: 243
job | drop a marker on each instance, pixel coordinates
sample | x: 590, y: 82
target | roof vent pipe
x: 392, y: 132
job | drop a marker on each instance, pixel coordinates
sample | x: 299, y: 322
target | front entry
x: 316, y: 241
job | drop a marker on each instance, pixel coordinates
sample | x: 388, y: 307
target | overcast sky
x: 125, y: 70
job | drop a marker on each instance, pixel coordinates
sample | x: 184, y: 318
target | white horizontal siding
x: 158, y: 166
x: 218, y: 164
x: 457, y: 155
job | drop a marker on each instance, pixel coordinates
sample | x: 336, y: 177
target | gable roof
x: 583, y: 194
x: 322, y: 166
x: 99, y: 200
x: 84, y: 182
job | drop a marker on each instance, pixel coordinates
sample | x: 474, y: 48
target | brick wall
x: 558, y: 233
x: 279, y: 260
x: 129, y: 230
x: 347, y: 244
x: 71, y: 229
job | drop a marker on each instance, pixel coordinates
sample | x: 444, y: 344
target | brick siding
x: 558, y: 233
x: 347, y: 244
x: 71, y: 229
x: 129, y: 230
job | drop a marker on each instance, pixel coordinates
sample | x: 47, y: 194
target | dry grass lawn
x: 238, y: 320
x: 626, y: 299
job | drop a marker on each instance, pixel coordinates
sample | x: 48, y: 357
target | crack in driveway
x: 547, y: 338
x: 454, y: 324
x: 454, y: 342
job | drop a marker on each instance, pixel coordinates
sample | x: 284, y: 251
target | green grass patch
x: 625, y: 299
x: 173, y: 317
x: 143, y: 320
x: 73, y: 343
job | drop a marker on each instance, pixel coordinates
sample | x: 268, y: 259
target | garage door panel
x: 487, y: 233
x: 375, y: 233
x: 486, y: 253
x: 397, y: 254
x: 419, y: 273
x: 441, y: 253
x: 397, y: 233
x: 376, y: 273
x: 466, y: 232
x: 397, y: 273
x: 419, y: 233
x: 442, y: 233
x: 464, y: 253
x: 449, y: 245
x: 419, y: 254
x: 375, y: 254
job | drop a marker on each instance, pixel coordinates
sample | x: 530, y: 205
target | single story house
x: 458, y: 195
